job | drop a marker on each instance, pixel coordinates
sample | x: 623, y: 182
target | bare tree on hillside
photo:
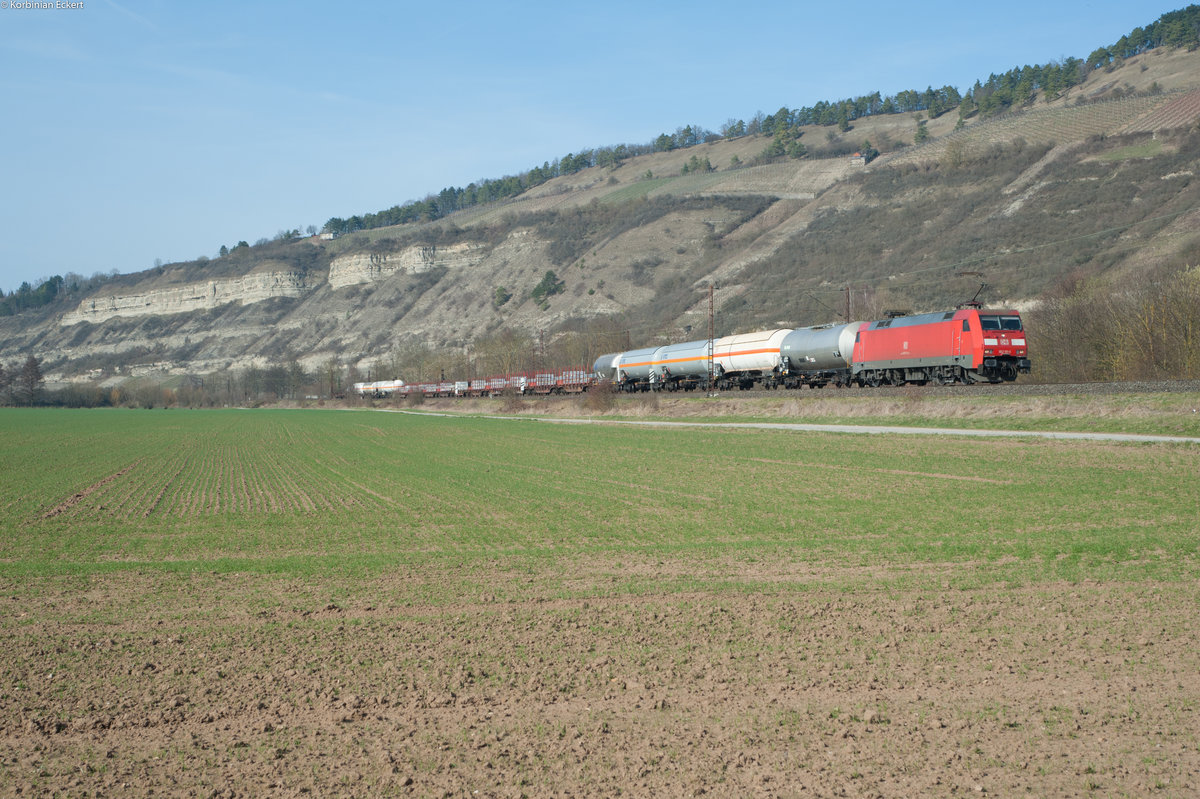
x: 28, y: 384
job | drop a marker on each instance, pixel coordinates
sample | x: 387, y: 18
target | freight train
x: 969, y: 345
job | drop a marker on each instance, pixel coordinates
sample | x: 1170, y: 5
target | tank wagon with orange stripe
x: 784, y: 357
x: 740, y: 360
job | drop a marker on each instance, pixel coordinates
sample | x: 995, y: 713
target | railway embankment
x: 1162, y: 409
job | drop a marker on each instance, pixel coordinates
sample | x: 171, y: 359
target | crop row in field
x: 353, y: 489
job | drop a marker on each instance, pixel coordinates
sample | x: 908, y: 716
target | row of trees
x: 452, y: 199
x: 25, y: 385
x: 26, y: 296
x: 506, y: 352
x: 1174, y: 29
x: 1019, y: 86
x: 842, y: 112
x: 1145, y: 331
x: 45, y: 291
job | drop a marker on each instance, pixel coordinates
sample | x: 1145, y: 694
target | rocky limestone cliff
x: 348, y: 270
x: 369, y: 267
x: 254, y: 287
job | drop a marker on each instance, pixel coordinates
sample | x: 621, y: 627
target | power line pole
x: 711, y: 336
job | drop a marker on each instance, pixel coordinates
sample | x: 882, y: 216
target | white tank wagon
x: 816, y: 356
x: 685, y: 366
x: 638, y: 369
x: 379, y: 388
x: 736, y: 361
x: 745, y: 359
x: 670, y: 366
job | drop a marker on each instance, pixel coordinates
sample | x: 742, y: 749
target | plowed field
x: 319, y: 603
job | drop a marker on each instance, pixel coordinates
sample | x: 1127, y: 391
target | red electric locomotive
x: 966, y: 346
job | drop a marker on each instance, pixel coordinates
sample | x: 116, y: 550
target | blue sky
x: 137, y: 130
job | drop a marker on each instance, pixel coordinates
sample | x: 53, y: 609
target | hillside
x: 1099, y: 182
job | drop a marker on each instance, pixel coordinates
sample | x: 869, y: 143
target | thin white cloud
x: 133, y: 15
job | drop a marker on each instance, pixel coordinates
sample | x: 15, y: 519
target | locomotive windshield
x: 992, y: 322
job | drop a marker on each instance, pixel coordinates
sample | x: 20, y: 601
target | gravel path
x: 883, y: 429
x: 1054, y: 389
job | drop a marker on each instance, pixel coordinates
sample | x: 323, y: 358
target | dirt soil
x: 785, y: 681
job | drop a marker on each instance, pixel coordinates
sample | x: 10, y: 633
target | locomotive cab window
x: 989, y: 322
x: 1010, y: 322
x: 966, y: 325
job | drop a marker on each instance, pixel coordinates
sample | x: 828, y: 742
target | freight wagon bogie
x: 809, y: 379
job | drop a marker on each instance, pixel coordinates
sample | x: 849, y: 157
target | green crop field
x: 347, y: 491
x: 265, y: 602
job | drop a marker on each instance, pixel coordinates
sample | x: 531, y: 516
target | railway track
x: 1017, y: 389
